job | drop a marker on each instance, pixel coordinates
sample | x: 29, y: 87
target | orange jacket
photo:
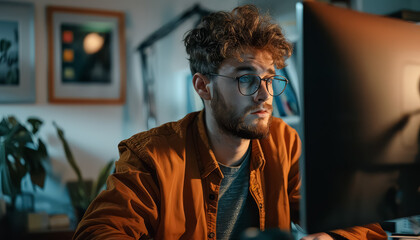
x: 167, y: 180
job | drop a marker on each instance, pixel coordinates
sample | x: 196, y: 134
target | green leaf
x: 103, y: 176
x: 68, y: 152
x: 12, y: 121
x: 78, y: 193
x: 21, y: 170
x: 13, y: 151
x: 34, y: 165
x: 4, y: 127
x: 42, y: 149
x: 19, y: 135
x: 36, y: 123
x: 13, y: 130
x: 38, y: 177
x: 6, y: 182
x: 16, y: 173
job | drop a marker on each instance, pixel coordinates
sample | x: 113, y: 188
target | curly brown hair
x: 222, y: 35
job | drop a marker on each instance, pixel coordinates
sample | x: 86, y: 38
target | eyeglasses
x: 249, y: 84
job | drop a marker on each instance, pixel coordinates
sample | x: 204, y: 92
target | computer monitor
x: 360, y: 76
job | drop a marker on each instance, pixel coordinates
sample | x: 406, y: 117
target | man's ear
x: 201, y: 86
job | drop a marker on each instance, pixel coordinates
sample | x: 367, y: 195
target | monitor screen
x: 360, y: 76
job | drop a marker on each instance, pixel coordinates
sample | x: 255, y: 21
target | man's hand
x: 318, y: 236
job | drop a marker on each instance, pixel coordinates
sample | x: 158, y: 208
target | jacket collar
x: 205, y: 155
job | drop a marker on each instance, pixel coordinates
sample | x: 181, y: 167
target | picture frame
x: 17, y: 53
x: 86, y: 56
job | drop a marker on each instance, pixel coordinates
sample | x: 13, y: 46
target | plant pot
x: 80, y: 196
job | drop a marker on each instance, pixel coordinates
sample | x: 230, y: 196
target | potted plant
x: 82, y: 192
x: 22, y: 152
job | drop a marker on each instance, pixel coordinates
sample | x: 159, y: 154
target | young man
x: 216, y: 172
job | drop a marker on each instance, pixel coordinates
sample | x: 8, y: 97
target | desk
x: 60, y: 234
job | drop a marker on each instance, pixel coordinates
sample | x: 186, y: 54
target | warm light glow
x: 92, y: 43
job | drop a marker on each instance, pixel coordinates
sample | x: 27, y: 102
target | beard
x: 233, y: 123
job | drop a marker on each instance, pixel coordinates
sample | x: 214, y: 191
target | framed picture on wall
x: 86, y: 56
x: 17, y: 53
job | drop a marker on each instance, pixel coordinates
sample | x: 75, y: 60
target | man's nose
x: 262, y: 94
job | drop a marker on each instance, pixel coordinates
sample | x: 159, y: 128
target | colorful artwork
x: 87, y: 60
x: 86, y: 53
x: 9, y: 53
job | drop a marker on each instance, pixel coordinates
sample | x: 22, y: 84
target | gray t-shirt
x: 236, y: 210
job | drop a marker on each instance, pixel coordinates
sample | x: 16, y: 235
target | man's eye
x: 245, y: 79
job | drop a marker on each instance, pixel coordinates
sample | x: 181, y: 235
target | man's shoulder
x: 164, y: 136
x: 281, y: 131
x: 279, y: 124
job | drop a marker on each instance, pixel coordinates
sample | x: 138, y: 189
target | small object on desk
x: 2, y: 207
x: 415, y: 224
x: 59, y: 221
x: 405, y: 236
x: 37, y: 221
x: 404, y: 228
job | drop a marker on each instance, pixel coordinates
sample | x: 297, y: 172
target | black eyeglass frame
x: 284, y: 79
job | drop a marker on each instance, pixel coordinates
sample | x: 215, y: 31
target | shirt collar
x: 205, y: 155
x: 206, y: 159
